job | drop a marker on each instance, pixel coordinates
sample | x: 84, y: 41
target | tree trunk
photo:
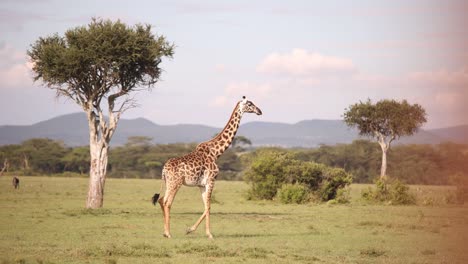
x: 97, y: 176
x: 98, y: 149
x: 384, y: 146
x: 383, y: 168
x: 100, y: 134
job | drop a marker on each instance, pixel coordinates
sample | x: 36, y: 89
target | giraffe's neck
x: 222, y: 141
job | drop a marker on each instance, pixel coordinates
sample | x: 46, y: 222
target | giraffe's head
x: 247, y: 106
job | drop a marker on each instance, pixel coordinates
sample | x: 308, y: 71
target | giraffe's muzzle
x: 258, y: 111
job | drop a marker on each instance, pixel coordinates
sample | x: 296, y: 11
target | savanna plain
x: 45, y: 222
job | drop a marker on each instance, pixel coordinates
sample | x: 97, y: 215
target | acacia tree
x: 98, y: 66
x: 385, y: 121
x: 238, y: 141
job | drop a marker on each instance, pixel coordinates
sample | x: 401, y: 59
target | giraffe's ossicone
x: 198, y: 168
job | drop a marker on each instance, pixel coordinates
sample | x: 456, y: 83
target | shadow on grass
x: 226, y: 213
x: 239, y: 235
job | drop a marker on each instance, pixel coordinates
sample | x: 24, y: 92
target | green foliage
x: 342, y: 196
x: 394, y: 192
x: 270, y: 169
x: 77, y: 160
x: 267, y: 174
x: 333, y: 180
x: 361, y: 158
x: 399, y: 193
x: 385, y: 121
x: 413, y: 164
x: 39, y: 155
x: 143, y: 160
x: 293, y: 193
x: 239, y: 142
x: 89, y: 61
x: 229, y: 162
x: 387, y: 117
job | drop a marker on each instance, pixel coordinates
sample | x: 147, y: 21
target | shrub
x: 310, y: 174
x: 265, y: 189
x: 399, y: 193
x: 266, y: 174
x: 293, y: 193
x: 270, y: 169
x: 342, y: 196
x: 393, y: 192
x: 334, y: 179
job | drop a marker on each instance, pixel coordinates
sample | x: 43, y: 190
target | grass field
x: 44, y: 222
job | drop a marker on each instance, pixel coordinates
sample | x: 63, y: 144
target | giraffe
x: 199, y: 169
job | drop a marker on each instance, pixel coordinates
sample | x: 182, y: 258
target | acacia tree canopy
x: 103, y: 60
x: 387, y: 117
x: 385, y: 121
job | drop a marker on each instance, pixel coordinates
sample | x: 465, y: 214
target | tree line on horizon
x: 139, y: 158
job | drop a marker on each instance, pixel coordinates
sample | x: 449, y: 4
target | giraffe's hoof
x: 167, y: 235
x: 210, y: 236
x: 189, y: 230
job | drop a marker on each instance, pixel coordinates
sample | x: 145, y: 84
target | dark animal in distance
x: 16, y: 182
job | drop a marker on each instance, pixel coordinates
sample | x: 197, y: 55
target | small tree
x: 239, y: 141
x: 103, y: 60
x: 385, y: 121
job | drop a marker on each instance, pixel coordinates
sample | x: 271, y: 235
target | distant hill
x: 457, y: 134
x: 73, y: 130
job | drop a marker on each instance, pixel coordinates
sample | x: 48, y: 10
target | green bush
x: 293, y: 193
x: 266, y: 174
x: 265, y: 189
x: 334, y: 179
x: 399, y: 193
x: 342, y: 196
x: 270, y: 169
x: 392, y: 192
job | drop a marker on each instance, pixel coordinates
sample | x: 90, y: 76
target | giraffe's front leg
x: 207, y: 200
x: 206, y: 196
x: 195, y: 226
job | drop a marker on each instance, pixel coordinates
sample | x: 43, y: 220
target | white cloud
x: 300, y: 62
x: 443, y: 93
x: 15, y: 70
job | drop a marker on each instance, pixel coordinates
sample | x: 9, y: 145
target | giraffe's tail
x: 155, y: 198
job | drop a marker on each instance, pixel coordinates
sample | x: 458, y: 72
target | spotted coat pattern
x: 199, y: 168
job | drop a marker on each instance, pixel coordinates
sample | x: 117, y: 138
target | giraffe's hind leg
x: 166, y: 204
x: 161, y: 203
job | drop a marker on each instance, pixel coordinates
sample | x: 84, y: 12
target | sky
x: 296, y: 60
